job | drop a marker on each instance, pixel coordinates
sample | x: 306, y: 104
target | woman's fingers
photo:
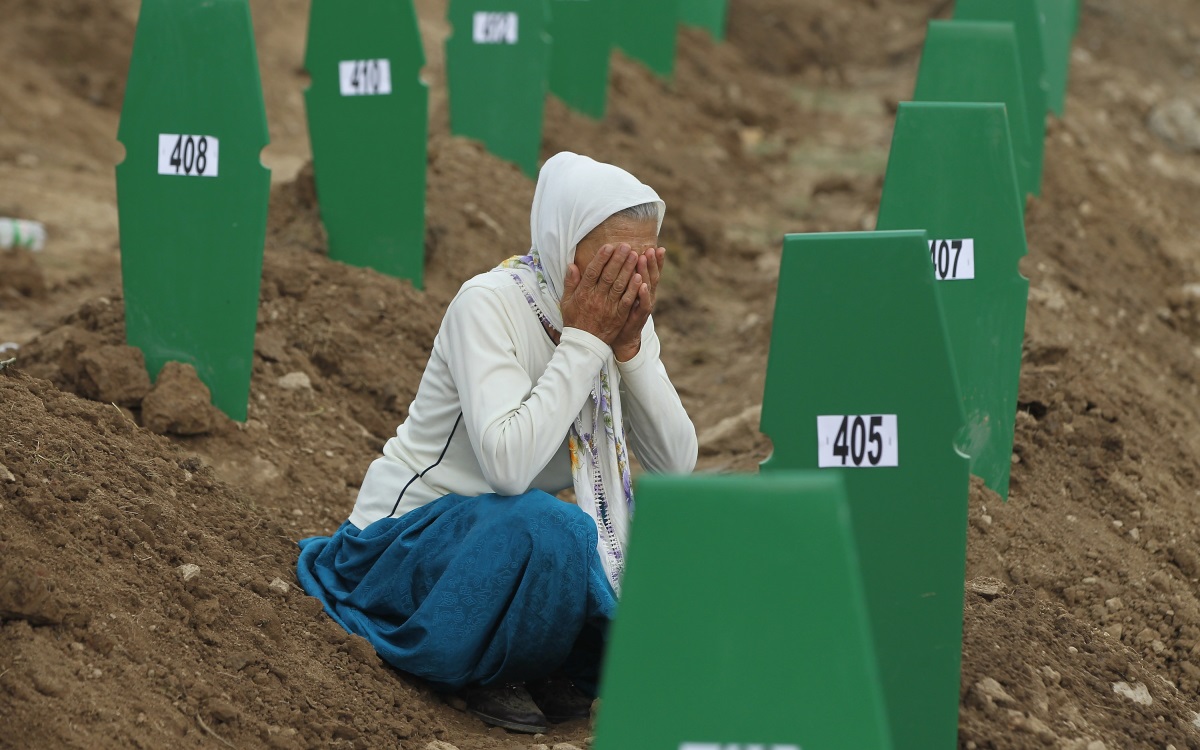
x: 654, y: 260
x: 572, y: 281
x: 620, y: 279
x: 613, y: 265
x: 630, y: 295
x: 597, y: 265
x: 642, y: 308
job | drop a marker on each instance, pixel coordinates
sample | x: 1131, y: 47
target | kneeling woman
x: 456, y: 563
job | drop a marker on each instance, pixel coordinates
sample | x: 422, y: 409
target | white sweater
x: 496, y: 401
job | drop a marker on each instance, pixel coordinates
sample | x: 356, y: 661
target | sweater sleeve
x: 515, y: 425
x: 660, y: 431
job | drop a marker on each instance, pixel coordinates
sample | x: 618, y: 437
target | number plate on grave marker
x: 188, y: 155
x: 857, y: 441
x: 365, y: 77
x: 495, y: 28
x: 953, y: 260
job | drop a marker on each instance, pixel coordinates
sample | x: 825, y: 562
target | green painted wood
x: 367, y: 120
x: 648, y: 32
x: 709, y: 15
x: 742, y: 621
x: 1025, y: 15
x: 497, y: 71
x: 583, y: 32
x: 859, y: 331
x: 978, y: 62
x: 193, y: 214
x: 1076, y: 12
x: 1058, y: 30
x: 951, y: 173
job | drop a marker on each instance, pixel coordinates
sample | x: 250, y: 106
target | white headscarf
x: 575, y: 195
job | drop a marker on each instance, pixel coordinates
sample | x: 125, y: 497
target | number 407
x: 953, y: 260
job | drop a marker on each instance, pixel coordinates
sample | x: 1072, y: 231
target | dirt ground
x: 146, y: 590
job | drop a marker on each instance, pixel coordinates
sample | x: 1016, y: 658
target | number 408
x: 190, y: 154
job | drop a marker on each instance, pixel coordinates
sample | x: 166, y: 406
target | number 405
x: 857, y: 441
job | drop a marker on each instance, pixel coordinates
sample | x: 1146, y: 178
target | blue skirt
x: 471, y: 590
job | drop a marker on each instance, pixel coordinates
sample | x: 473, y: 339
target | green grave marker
x: 497, y: 68
x: 978, y: 62
x: 860, y: 380
x: 1025, y: 15
x: 367, y: 120
x: 647, y: 32
x: 951, y: 172
x: 583, y: 38
x: 192, y: 192
x: 742, y: 622
x: 706, y: 14
x: 1058, y: 29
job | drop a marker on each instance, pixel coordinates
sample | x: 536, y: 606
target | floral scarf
x: 596, y: 439
x: 574, y: 195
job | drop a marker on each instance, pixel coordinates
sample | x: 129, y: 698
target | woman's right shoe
x: 560, y: 700
x: 509, y: 706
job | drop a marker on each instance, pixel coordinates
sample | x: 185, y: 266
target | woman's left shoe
x: 559, y: 699
x: 509, y: 706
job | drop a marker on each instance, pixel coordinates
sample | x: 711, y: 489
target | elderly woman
x: 456, y: 563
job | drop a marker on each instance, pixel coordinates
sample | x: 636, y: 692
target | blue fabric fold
x: 471, y: 590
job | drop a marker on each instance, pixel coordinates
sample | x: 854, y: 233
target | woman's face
x: 639, y: 235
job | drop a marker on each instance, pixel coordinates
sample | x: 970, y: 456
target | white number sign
x: 952, y: 259
x: 495, y: 28
x: 188, y: 155
x: 365, y: 77
x: 863, y: 441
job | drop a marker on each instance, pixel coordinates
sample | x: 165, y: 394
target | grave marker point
x: 583, y: 32
x: 742, y: 621
x: 860, y: 374
x: 192, y: 192
x: 951, y: 172
x: 709, y: 15
x: 648, y: 33
x: 497, y: 68
x: 1058, y: 30
x: 1025, y: 16
x: 367, y: 121
x: 967, y: 61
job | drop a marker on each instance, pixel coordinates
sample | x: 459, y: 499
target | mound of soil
x: 147, y: 604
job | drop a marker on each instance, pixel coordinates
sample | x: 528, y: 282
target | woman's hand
x: 649, y: 266
x: 599, y: 298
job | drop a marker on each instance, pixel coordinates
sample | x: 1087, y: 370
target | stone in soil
x: 180, y: 403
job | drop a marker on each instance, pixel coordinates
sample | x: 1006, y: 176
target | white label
x: 953, y: 260
x: 863, y: 441
x: 188, y: 155
x: 495, y: 28
x: 365, y: 77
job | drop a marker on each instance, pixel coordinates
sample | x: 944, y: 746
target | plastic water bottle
x: 30, y: 235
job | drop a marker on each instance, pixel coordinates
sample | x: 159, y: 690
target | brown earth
x: 1085, y: 580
